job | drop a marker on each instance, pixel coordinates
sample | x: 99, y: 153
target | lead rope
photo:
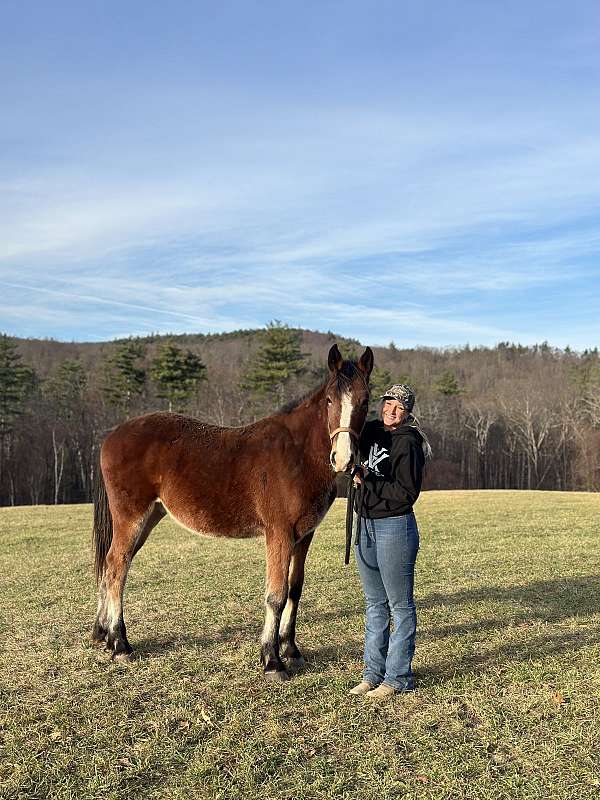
x: 352, y: 492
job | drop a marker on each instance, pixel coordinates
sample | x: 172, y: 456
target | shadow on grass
x: 548, y: 602
x: 229, y: 635
x: 549, y: 599
x: 532, y: 648
x: 521, y: 607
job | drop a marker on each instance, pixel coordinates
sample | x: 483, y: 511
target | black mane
x: 342, y: 378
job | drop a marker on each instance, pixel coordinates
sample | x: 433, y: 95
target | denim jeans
x: 386, y: 553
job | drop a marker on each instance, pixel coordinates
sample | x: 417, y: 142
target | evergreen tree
x: 124, y: 379
x: 447, y: 384
x: 278, y: 359
x: 380, y: 380
x: 67, y: 387
x: 16, y: 381
x: 177, y: 373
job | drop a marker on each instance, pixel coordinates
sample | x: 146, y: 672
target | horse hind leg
x: 290, y: 653
x: 157, y: 512
x: 128, y: 537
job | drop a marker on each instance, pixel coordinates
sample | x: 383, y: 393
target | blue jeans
x: 386, y: 553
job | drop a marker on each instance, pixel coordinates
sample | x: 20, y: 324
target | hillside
x: 498, y: 417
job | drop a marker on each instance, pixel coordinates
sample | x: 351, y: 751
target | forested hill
x: 502, y: 417
x: 237, y: 346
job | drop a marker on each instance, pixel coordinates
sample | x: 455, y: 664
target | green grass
x: 508, y: 698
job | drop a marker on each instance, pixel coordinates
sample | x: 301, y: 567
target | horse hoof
x: 276, y: 676
x: 122, y: 657
x: 295, y: 664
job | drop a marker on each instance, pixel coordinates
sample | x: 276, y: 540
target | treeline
x: 502, y: 417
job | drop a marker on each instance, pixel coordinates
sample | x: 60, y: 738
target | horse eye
x: 329, y: 401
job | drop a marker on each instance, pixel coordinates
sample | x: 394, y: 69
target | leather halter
x: 343, y: 430
x: 351, y: 431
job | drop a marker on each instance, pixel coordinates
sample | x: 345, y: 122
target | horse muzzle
x: 342, y: 455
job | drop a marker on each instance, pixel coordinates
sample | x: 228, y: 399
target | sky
x: 423, y: 173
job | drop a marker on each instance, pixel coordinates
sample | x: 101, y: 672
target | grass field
x: 508, y: 664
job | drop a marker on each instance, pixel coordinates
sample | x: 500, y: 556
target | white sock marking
x: 286, y: 617
x: 268, y: 632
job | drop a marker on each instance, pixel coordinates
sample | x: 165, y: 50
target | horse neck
x: 308, y: 424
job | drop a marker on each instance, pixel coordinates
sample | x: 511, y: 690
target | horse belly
x: 207, y: 523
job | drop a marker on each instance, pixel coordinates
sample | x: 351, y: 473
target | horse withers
x: 274, y: 477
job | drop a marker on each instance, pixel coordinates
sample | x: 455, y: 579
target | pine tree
x: 67, y: 387
x: 447, y: 384
x: 278, y: 359
x: 124, y: 379
x: 380, y: 380
x: 16, y: 381
x: 177, y: 373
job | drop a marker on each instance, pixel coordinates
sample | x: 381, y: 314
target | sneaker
x: 362, y: 688
x: 382, y: 692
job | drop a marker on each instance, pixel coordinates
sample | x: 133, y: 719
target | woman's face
x: 392, y: 413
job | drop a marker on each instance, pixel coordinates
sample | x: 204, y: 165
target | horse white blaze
x: 342, y: 442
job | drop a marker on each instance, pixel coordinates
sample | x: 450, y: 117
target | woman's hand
x: 360, y: 473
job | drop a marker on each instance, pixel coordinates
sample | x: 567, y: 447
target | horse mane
x: 342, y: 379
x: 297, y: 401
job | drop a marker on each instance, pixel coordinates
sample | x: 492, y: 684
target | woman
x: 393, y: 452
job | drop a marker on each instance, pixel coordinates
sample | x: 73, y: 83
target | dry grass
x: 507, y: 703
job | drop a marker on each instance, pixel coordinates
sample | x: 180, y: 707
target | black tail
x: 103, y: 525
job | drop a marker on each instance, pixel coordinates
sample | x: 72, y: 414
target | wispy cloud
x: 432, y: 192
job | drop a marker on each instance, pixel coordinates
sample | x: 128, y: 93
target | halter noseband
x: 352, y: 432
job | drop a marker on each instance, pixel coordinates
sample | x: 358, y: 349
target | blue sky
x: 427, y: 173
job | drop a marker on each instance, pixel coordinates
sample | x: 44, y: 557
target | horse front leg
x: 290, y: 653
x: 279, y: 545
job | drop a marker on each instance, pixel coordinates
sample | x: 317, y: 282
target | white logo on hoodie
x: 376, y: 455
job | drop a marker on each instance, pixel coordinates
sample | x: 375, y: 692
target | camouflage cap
x: 402, y: 393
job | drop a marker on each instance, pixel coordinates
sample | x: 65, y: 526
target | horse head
x: 347, y: 398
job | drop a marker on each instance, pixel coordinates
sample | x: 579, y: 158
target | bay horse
x: 274, y: 477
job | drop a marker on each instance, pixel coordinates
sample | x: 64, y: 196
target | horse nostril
x: 332, y: 458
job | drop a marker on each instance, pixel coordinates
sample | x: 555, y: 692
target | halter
x: 351, y: 431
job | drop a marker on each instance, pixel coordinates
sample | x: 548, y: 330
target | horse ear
x: 334, y: 359
x: 365, y: 364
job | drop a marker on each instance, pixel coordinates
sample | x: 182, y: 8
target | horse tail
x: 103, y: 525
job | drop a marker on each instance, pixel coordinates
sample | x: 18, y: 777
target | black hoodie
x: 395, y: 462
